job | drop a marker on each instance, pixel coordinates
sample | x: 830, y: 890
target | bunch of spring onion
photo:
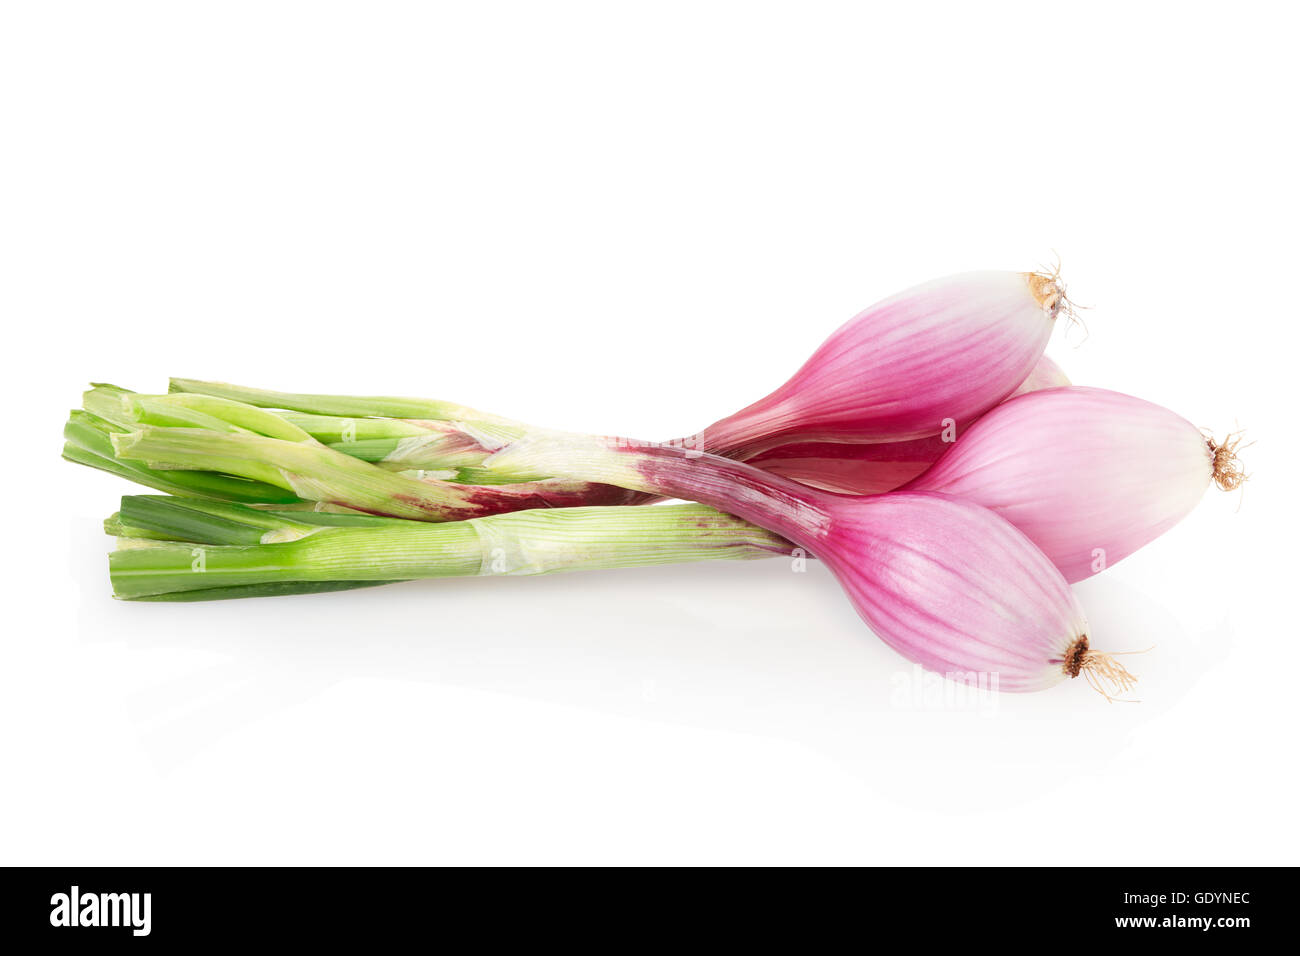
x: 959, y: 554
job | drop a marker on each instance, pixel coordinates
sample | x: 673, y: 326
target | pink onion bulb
x: 948, y: 349
x: 1088, y: 474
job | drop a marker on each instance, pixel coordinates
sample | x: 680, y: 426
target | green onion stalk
x: 434, y: 438
x: 440, y: 439
x: 186, y: 549
x: 214, y: 447
x: 88, y: 441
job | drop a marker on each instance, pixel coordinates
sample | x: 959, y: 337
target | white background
x: 632, y: 219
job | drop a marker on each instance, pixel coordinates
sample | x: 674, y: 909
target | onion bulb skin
x: 1089, y: 475
x: 873, y: 468
x: 949, y: 349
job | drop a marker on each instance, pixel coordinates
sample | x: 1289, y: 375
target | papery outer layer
x: 948, y: 349
x: 1089, y: 475
x: 876, y: 467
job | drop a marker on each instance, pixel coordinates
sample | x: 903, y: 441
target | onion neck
x: 778, y: 504
x: 757, y: 428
